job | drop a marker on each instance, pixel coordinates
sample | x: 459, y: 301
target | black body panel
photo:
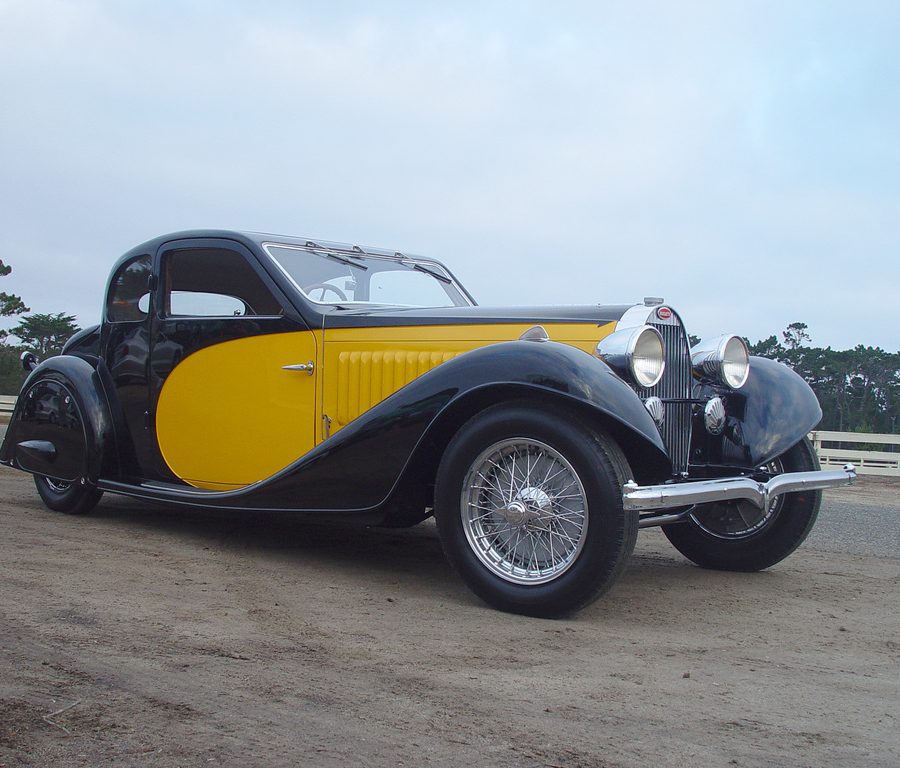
x: 773, y: 411
x: 63, y: 404
x: 85, y: 343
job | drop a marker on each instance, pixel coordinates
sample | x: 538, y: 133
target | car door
x: 232, y: 390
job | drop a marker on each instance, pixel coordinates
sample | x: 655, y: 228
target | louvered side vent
x: 675, y: 391
x: 365, y: 379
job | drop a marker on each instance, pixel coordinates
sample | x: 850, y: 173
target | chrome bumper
x: 647, y: 497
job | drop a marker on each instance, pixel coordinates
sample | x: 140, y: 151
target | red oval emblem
x: 664, y: 313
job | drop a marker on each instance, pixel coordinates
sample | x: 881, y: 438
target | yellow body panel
x: 363, y: 366
x: 229, y: 415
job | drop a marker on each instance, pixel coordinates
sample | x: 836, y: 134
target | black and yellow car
x: 260, y: 372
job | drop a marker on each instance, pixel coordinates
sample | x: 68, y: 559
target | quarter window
x: 129, y: 291
x: 214, y: 282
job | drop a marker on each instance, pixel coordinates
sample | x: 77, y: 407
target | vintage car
x: 259, y: 372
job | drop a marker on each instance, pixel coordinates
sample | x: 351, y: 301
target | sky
x: 741, y: 160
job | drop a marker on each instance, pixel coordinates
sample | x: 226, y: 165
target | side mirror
x: 29, y: 361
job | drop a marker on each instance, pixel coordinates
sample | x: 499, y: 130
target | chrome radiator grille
x: 674, y: 389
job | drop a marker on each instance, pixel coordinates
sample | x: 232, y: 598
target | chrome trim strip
x: 644, y: 497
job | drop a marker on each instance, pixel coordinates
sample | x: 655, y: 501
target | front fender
x: 61, y: 425
x: 380, y: 445
x: 773, y: 411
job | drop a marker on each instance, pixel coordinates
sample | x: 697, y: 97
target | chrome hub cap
x: 524, y: 511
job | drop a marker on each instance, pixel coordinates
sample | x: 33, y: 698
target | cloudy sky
x: 740, y: 159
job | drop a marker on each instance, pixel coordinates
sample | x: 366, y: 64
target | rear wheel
x: 529, y: 509
x: 739, y: 536
x: 71, y: 498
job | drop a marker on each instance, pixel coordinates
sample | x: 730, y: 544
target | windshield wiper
x: 348, y: 260
x: 428, y: 271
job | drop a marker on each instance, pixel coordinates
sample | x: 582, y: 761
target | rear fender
x: 61, y: 426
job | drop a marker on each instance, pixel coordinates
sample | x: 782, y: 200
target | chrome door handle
x: 308, y: 367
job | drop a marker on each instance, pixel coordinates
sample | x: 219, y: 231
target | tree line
x: 43, y: 334
x: 858, y: 389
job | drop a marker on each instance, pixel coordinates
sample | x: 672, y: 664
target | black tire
x: 71, y: 498
x: 790, y: 519
x: 606, y: 532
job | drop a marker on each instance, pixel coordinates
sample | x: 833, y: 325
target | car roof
x: 258, y: 239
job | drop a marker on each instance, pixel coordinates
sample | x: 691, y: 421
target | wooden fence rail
x: 872, y: 454
x: 7, y: 403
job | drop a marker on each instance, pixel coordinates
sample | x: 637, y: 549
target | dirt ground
x: 166, y: 637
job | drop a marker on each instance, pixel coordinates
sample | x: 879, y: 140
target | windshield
x: 328, y: 275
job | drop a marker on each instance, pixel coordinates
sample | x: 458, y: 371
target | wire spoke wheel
x: 528, y: 504
x: 524, y: 511
x: 733, y: 520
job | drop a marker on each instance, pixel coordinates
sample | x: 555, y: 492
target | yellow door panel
x: 230, y: 415
x: 363, y: 366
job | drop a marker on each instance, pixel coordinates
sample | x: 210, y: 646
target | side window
x: 214, y: 282
x: 129, y: 291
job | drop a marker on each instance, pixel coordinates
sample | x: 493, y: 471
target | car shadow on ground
x: 658, y: 582
x: 281, y: 534
x: 292, y: 536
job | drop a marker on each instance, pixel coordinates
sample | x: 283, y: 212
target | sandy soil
x: 184, y: 638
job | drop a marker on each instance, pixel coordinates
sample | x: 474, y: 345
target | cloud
x: 741, y: 162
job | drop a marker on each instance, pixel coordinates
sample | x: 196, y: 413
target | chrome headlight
x: 724, y: 359
x: 636, y: 353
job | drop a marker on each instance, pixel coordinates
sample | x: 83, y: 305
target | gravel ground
x: 170, y: 637
x: 863, y: 519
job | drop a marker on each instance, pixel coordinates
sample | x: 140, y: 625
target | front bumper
x: 649, y: 497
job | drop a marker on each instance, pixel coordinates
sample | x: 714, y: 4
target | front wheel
x: 71, y: 498
x: 738, y: 536
x: 528, y: 505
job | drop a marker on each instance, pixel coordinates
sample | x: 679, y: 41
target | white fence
x: 7, y: 403
x: 833, y: 451
x: 831, y: 447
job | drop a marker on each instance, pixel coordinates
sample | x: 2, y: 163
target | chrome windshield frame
x: 351, y: 252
